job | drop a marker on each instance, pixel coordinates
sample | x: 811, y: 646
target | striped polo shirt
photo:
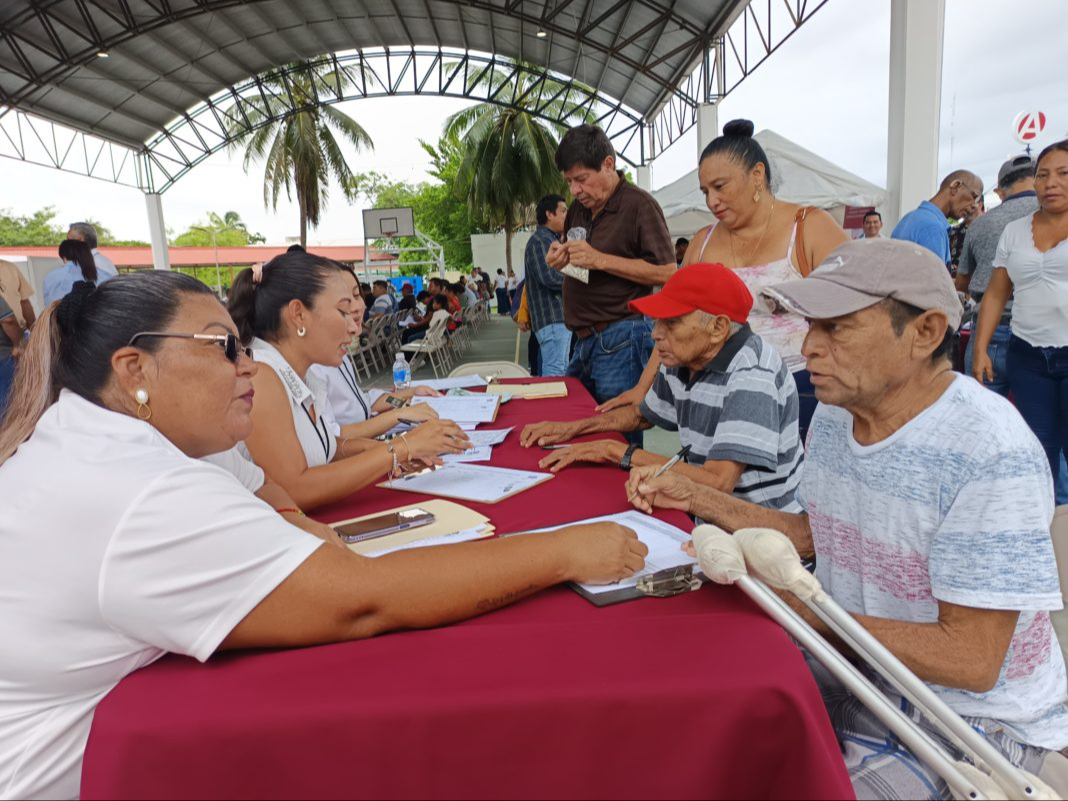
x: 742, y: 408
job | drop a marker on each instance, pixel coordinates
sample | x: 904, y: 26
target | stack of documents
x: 453, y: 523
x: 471, y: 410
x: 445, y: 384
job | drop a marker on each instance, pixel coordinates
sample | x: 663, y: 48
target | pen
x: 402, y: 421
x: 554, y: 447
x: 674, y: 461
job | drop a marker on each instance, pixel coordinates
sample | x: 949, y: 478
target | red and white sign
x: 1028, y: 125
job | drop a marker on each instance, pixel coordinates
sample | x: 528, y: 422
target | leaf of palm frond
x: 352, y: 130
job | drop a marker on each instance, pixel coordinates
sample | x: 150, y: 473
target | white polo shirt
x: 318, y: 439
x: 115, y: 548
x: 240, y: 467
x: 349, y: 404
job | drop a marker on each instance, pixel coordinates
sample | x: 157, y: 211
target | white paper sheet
x: 471, y: 482
x: 472, y: 409
x: 470, y: 535
x: 482, y: 453
x: 663, y: 540
x: 445, y: 384
x: 489, y: 437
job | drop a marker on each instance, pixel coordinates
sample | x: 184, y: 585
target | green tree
x: 228, y: 230
x: 509, y: 155
x: 302, y: 152
x: 40, y: 230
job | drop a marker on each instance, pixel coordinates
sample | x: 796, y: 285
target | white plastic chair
x: 754, y: 558
x: 433, y: 347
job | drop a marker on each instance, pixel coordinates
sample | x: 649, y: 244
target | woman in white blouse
x: 367, y: 414
x: 118, y: 545
x: 296, y: 312
x: 1032, y: 262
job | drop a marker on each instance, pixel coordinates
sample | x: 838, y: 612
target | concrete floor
x: 497, y: 342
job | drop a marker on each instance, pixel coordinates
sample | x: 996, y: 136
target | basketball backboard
x: 388, y: 223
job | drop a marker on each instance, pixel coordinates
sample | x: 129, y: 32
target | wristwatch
x: 396, y: 402
x: 628, y: 458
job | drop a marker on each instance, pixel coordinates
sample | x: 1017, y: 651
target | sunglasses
x: 230, y: 344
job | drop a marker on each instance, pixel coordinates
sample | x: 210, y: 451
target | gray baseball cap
x: 1021, y: 162
x: 864, y: 272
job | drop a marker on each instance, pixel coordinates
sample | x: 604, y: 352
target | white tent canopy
x: 799, y: 176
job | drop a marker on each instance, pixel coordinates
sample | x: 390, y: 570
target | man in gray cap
x: 1016, y: 186
x: 928, y: 504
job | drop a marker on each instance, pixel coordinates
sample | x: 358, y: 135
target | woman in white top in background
x: 121, y: 545
x: 296, y: 312
x: 1032, y: 262
x: 367, y: 414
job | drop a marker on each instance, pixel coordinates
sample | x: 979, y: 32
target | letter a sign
x: 1028, y: 125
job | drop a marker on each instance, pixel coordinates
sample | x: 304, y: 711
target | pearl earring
x: 143, y: 410
x: 302, y: 331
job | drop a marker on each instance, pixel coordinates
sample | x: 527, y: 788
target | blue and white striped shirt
x: 742, y: 408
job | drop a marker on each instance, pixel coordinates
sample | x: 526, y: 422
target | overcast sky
x: 826, y: 89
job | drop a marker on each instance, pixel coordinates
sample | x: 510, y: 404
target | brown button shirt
x: 631, y: 226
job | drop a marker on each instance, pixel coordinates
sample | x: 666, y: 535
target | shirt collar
x: 927, y: 204
x: 297, y: 387
x: 722, y: 361
x: 617, y: 197
x: 1018, y: 195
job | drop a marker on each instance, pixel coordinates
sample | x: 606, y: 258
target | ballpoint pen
x: 674, y: 461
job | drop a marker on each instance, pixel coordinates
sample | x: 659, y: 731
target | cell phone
x: 383, y: 525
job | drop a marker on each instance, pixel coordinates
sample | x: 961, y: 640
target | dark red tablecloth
x: 699, y: 696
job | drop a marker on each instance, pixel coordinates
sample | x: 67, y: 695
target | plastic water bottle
x: 402, y: 373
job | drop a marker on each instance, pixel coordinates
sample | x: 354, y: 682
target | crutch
x: 753, y: 558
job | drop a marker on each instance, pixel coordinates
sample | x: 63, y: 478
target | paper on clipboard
x: 470, y: 482
x: 449, y: 519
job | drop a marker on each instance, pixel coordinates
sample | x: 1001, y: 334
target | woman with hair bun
x: 119, y: 544
x: 765, y: 240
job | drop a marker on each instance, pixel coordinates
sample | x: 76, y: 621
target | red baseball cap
x: 710, y: 288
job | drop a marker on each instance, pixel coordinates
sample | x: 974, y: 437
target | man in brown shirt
x: 17, y: 291
x: 627, y: 250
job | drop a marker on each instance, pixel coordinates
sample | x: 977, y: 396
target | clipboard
x: 555, y: 389
x: 664, y: 584
x: 451, y: 517
x: 399, y: 483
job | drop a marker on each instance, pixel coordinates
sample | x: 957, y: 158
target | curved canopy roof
x: 165, y: 57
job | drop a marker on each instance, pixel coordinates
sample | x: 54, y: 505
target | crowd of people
x: 811, y: 378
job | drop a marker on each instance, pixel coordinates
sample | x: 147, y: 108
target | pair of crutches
x: 752, y: 559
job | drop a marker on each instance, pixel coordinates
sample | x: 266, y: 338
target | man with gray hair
x: 927, y: 505
x: 86, y: 232
x: 724, y: 389
x: 929, y: 224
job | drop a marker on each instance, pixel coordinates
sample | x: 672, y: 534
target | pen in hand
x: 674, y: 461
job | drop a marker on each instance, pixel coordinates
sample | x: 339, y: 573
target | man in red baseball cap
x: 720, y: 386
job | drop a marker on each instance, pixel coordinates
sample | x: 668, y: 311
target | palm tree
x: 509, y: 161
x: 301, y: 151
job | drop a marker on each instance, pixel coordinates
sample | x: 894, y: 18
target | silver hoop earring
x: 302, y: 332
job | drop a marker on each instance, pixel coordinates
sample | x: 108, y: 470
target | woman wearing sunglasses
x: 296, y: 312
x: 118, y: 545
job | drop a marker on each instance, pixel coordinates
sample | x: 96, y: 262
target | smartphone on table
x: 383, y: 525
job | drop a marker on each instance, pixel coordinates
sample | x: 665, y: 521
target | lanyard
x: 351, y: 382
x: 324, y: 435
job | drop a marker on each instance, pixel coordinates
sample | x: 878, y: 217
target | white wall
x: 488, y: 252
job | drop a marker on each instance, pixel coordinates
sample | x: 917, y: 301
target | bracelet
x: 291, y: 511
x: 403, y: 438
x: 396, y: 464
x: 344, y: 442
